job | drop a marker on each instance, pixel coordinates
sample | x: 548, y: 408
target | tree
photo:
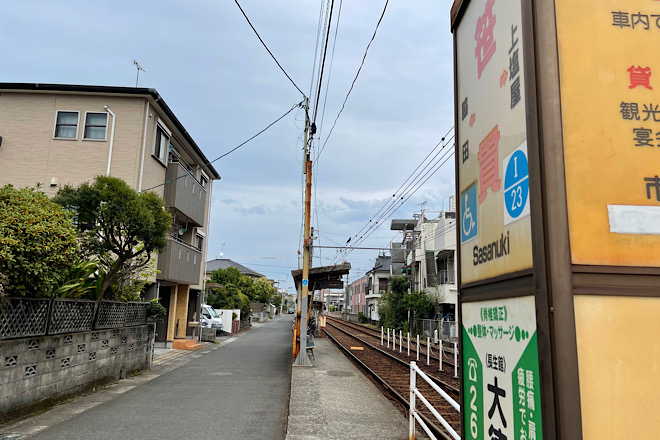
x: 263, y: 290
x: 38, y: 243
x: 117, y: 226
x: 395, y: 303
x: 392, y: 306
x: 235, y: 293
x: 277, y: 301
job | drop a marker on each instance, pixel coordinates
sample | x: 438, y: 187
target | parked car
x: 291, y: 310
x: 210, y: 318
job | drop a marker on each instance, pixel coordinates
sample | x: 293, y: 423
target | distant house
x: 377, y: 284
x: 355, y: 296
x: 224, y: 263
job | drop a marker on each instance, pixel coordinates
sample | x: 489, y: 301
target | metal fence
x: 26, y: 317
x: 447, y: 330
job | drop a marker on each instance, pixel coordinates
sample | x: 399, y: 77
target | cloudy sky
x: 204, y: 59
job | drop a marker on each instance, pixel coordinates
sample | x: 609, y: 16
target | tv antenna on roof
x: 138, y: 67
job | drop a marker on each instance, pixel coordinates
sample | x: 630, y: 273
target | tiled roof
x: 224, y: 263
x: 383, y: 263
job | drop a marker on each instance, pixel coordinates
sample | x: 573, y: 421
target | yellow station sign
x: 610, y: 92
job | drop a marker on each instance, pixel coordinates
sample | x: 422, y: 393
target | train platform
x: 333, y: 400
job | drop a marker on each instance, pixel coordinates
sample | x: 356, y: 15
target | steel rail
x: 402, y: 362
x: 376, y: 333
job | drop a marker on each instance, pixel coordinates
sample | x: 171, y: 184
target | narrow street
x: 238, y: 391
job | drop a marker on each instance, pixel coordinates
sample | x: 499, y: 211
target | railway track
x: 394, y: 374
x: 373, y: 337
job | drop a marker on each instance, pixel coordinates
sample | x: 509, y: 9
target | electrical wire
x: 325, y: 53
x: 228, y: 152
x: 325, y: 100
x: 416, y: 180
x: 394, y: 196
x: 394, y: 208
x: 266, y: 47
x: 428, y: 175
x: 332, y: 58
x: 392, y: 203
x: 364, y: 57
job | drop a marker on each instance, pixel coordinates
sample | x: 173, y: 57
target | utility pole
x: 302, y: 359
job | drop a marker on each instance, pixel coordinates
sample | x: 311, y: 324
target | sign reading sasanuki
x: 501, y: 386
x: 610, y: 93
x: 493, y: 175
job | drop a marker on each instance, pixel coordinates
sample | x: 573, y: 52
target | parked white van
x: 210, y: 318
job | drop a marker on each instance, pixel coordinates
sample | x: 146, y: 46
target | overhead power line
x: 228, y: 152
x: 332, y: 57
x: 394, y: 195
x: 266, y: 47
x: 364, y: 57
x: 401, y: 199
x: 394, y: 208
x: 325, y: 53
x: 398, y: 195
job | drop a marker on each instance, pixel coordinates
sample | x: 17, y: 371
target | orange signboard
x: 610, y: 93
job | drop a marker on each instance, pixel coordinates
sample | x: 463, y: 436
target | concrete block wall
x: 35, y: 370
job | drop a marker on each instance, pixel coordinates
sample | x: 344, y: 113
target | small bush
x: 362, y: 318
x: 156, y: 312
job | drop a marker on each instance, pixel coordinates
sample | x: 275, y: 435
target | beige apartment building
x: 56, y: 134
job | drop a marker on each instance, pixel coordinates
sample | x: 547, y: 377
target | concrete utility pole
x: 302, y: 359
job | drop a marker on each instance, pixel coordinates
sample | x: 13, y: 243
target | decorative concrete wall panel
x: 33, y: 370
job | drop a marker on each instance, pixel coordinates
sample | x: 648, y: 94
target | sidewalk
x: 334, y: 400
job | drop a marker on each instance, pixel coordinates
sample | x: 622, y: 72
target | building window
x: 199, y: 241
x: 162, y: 144
x: 95, y: 126
x: 203, y: 180
x: 382, y: 284
x: 66, y: 125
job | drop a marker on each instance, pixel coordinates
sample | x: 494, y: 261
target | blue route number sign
x: 516, y: 185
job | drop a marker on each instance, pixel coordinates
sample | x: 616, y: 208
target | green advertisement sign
x: 501, y: 388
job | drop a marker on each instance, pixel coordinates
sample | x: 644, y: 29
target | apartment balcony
x: 185, y: 194
x: 180, y: 262
x: 446, y: 277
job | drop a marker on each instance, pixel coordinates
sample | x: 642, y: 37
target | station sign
x: 501, y: 387
x: 500, y: 361
x: 610, y: 92
x: 330, y: 284
x: 493, y: 172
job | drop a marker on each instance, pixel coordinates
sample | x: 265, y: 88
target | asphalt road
x: 238, y: 391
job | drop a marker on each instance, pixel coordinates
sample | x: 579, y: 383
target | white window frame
x: 203, y: 175
x: 77, y: 125
x: 164, y: 154
x: 107, y: 119
x: 199, y: 234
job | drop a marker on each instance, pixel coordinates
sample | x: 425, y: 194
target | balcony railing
x: 446, y: 277
x: 180, y: 262
x: 185, y: 194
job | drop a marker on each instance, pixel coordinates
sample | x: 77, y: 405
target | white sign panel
x: 493, y: 171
